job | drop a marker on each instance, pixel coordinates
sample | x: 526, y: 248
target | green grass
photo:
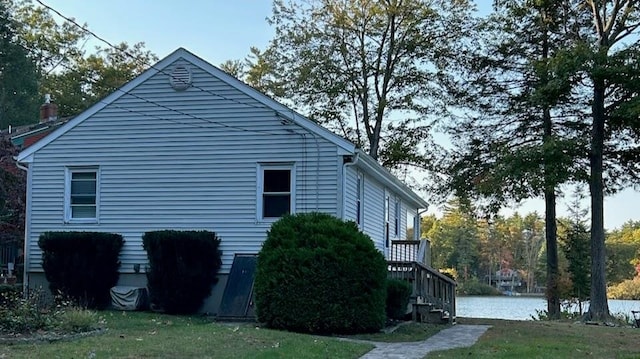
x: 149, y: 335
x: 543, y: 339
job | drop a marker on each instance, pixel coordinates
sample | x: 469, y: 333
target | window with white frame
x: 276, y: 191
x: 81, y: 193
x: 359, y: 197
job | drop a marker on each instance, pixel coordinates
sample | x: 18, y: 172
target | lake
x: 523, y: 308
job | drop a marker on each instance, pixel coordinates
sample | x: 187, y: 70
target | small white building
x: 187, y: 146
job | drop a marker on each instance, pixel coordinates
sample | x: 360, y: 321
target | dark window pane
x: 83, y: 176
x: 277, y: 180
x: 83, y: 212
x: 89, y: 199
x: 274, y: 206
x: 83, y: 187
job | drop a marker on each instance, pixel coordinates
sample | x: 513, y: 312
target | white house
x: 187, y: 146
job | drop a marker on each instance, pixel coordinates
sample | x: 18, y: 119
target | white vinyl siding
x: 192, y: 168
x: 373, y: 221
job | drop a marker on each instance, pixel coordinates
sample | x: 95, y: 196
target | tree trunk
x: 598, y: 307
x: 553, y: 297
x: 551, y: 240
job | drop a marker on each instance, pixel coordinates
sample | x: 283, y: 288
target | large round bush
x: 318, y: 274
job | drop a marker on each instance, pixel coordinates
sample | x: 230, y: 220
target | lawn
x: 538, y: 339
x: 149, y: 335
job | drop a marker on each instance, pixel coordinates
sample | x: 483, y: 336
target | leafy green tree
x: 91, y: 78
x: 52, y: 45
x: 576, y: 248
x: 611, y: 54
x: 75, y: 79
x: 454, y: 241
x: 19, y: 100
x: 366, y: 69
x: 518, y: 139
x: 13, y: 184
x: 623, y: 252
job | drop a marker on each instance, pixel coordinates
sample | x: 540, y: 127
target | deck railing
x: 410, y: 251
x: 408, y: 261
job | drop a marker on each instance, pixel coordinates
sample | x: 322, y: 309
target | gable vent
x: 180, y: 78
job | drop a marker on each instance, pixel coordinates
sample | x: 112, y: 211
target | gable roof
x: 346, y: 146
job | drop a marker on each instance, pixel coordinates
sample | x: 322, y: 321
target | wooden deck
x: 433, y: 293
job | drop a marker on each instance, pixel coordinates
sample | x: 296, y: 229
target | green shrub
x: 474, y: 287
x: 183, y: 268
x: 81, y: 266
x: 398, y: 294
x: 8, y: 292
x: 76, y: 320
x: 20, y: 314
x: 318, y: 274
x: 32, y: 313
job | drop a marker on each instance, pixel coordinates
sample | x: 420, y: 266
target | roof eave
x: 383, y: 175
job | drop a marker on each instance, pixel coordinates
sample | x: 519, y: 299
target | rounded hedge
x: 318, y: 274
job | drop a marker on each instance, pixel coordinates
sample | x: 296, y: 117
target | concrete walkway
x: 458, y: 336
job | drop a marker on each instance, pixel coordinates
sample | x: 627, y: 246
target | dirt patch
x: 46, y: 337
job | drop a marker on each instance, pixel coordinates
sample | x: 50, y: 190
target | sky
x: 219, y: 30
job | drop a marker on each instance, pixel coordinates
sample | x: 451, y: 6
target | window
x: 396, y: 217
x: 411, y: 222
x: 81, y: 194
x: 275, y: 191
x: 359, y: 196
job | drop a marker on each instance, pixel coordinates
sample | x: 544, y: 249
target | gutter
x: 25, y: 253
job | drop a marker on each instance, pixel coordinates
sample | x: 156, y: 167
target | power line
x: 129, y: 93
x: 127, y: 53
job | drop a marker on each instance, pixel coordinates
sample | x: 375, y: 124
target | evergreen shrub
x: 318, y: 274
x: 81, y: 266
x: 183, y: 267
x: 398, y: 294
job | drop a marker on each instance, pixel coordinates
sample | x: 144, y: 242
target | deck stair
x: 433, y: 293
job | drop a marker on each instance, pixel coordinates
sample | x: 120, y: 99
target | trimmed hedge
x: 183, y: 268
x: 81, y: 266
x: 398, y: 293
x: 318, y: 274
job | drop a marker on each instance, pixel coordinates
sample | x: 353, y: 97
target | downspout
x: 351, y: 163
x: 25, y: 253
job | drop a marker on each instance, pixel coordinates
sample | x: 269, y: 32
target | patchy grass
x: 543, y: 339
x: 407, y: 332
x: 139, y: 335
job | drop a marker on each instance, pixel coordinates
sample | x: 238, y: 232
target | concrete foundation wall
x: 38, y: 281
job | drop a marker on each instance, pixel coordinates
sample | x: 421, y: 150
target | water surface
x: 523, y: 308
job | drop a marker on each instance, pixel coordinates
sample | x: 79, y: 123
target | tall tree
x: 576, y: 249
x: 19, y: 98
x: 367, y: 69
x: 90, y: 78
x: 613, y: 69
x: 77, y: 78
x: 520, y: 139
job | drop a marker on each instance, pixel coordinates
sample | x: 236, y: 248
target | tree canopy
x: 19, y: 100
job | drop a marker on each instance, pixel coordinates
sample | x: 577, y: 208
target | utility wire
x: 127, y: 53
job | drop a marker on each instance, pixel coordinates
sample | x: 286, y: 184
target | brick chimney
x: 48, y: 110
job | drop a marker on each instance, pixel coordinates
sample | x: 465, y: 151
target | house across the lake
x: 187, y: 146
